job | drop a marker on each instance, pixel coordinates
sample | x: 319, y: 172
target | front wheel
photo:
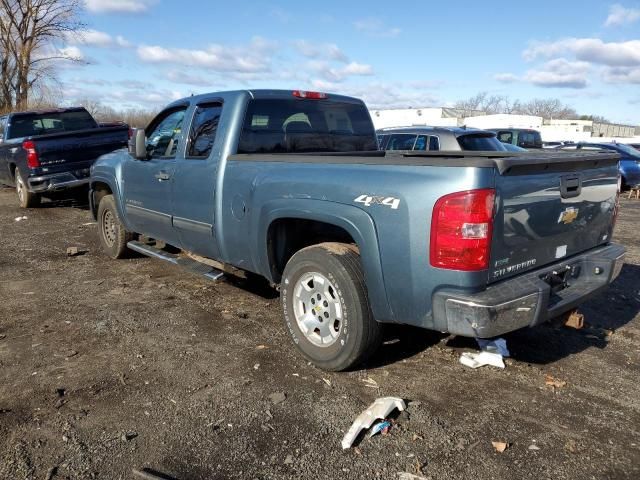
x: 326, y: 307
x: 113, y: 235
x: 26, y: 198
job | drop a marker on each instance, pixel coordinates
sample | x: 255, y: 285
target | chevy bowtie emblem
x: 568, y: 216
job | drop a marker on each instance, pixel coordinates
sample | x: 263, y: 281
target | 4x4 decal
x: 369, y: 200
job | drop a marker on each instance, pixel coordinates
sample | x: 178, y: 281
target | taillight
x: 32, y: 156
x: 461, y: 228
x: 309, y: 95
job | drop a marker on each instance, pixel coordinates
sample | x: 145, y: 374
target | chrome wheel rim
x: 317, y: 309
x: 20, y: 187
x: 109, y: 228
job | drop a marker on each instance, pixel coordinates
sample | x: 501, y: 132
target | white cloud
x: 592, y: 50
x: 338, y: 74
x: 118, y: 6
x: 96, y: 38
x: 506, y: 77
x: 251, y: 58
x: 619, y: 15
x: 376, y: 27
x: 560, y: 73
x: 622, y: 75
x: 381, y: 94
x: 179, y: 76
x: 323, y: 50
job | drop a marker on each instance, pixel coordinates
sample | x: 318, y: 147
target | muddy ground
x: 106, y: 366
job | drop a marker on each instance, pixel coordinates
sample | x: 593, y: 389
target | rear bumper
x: 58, y: 181
x: 528, y: 300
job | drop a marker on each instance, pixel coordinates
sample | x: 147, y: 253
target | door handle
x: 162, y: 176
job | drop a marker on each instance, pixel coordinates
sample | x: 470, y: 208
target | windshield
x: 32, y: 124
x: 297, y: 126
x: 480, y: 142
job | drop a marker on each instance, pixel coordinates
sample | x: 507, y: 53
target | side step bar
x: 189, y: 264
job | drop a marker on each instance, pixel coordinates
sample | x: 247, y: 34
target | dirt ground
x: 106, y: 366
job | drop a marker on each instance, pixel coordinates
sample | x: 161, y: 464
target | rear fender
x: 352, y: 219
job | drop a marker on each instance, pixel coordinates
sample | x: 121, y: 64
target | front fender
x: 352, y: 219
x: 117, y: 195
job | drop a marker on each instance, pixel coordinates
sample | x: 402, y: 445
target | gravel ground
x: 110, y: 365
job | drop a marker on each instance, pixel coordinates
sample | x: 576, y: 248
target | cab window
x: 203, y: 130
x: 164, y: 133
x: 401, y: 141
x: 505, y: 137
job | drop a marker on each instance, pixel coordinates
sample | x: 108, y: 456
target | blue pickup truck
x: 289, y: 185
x: 43, y: 151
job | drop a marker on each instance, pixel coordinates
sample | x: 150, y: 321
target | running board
x: 187, y: 263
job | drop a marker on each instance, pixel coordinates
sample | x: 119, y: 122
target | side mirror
x: 138, y: 145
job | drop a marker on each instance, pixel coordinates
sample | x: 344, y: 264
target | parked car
x: 288, y: 185
x: 49, y: 150
x: 522, y: 137
x: 629, y: 159
x: 557, y: 144
x: 634, y: 145
x: 437, y: 138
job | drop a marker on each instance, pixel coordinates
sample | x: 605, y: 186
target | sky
x: 146, y: 53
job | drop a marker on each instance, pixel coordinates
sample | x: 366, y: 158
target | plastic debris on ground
x: 477, y: 360
x: 382, y: 427
x: 378, y: 410
x: 19, y: 219
x: 494, y: 345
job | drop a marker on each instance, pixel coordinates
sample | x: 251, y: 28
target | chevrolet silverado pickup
x: 289, y: 185
x: 50, y: 150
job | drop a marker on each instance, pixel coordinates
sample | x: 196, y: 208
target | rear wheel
x: 326, y: 307
x: 26, y: 198
x: 113, y: 235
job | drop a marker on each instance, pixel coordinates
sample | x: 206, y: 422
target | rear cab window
x: 306, y: 125
x: 412, y: 141
x: 529, y: 139
x: 32, y: 124
x: 505, y: 137
x: 480, y: 142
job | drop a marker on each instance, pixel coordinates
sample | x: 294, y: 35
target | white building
x: 550, y: 129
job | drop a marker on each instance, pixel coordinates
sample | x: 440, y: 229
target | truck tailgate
x: 79, y: 147
x: 551, y: 207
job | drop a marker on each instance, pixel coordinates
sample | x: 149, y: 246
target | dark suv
x: 438, y: 138
x: 521, y: 137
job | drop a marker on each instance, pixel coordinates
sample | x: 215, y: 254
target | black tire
x: 26, y: 199
x: 358, y: 333
x: 113, y: 235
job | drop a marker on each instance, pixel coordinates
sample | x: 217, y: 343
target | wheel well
x: 100, y: 189
x: 286, y: 236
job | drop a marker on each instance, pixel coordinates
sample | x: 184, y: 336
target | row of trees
x: 540, y: 107
x: 30, y: 32
x: 135, y: 117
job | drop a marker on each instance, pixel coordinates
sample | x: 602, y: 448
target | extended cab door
x: 195, y: 182
x: 147, y: 184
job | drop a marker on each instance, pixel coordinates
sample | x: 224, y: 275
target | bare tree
x: 30, y: 31
x: 548, y: 108
x: 491, y: 104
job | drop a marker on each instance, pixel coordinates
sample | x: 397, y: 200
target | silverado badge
x: 568, y: 216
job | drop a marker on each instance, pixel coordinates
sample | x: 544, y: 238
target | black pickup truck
x: 49, y: 150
